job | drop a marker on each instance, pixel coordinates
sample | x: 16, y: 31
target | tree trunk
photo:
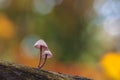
x: 12, y: 71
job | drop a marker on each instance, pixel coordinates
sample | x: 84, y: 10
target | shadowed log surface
x: 12, y: 71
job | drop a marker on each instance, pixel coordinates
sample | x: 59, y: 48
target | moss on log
x: 12, y: 71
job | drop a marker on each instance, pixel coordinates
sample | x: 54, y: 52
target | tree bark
x: 12, y: 71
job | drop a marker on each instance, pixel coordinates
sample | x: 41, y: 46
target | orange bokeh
x: 6, y: 27
x: 111, y: 64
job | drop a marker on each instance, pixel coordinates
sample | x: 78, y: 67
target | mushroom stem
x: 44, y: 61
x: 40, y: 59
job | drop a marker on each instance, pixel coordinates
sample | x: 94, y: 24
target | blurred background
x: 83, y: 35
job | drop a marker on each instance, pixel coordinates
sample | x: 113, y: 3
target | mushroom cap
x: 48, y: 53
x: 40, y: 43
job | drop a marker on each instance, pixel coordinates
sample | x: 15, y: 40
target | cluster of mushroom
x: 44, y: 52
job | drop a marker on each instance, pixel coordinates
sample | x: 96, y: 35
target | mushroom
x: 44, y: 51
x: 46, y: 54
x: 40, y: 43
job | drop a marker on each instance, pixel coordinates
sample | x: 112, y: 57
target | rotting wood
x: 12, y: 71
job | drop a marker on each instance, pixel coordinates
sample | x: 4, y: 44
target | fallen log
x: 12, y: 71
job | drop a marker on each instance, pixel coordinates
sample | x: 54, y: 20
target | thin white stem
x: 44, y: 61
x: 40, y: 59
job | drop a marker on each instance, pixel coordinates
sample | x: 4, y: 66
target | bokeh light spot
x: 43, y: 7
x: 27, y: 45
x: 111, y: 64
x: 7, y: 29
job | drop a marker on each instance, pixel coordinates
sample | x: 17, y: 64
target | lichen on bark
x: 12, y: 71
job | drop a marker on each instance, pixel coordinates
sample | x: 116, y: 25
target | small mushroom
x: 44, y: 51
x: 40, y: 43
x: 46, y: 54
